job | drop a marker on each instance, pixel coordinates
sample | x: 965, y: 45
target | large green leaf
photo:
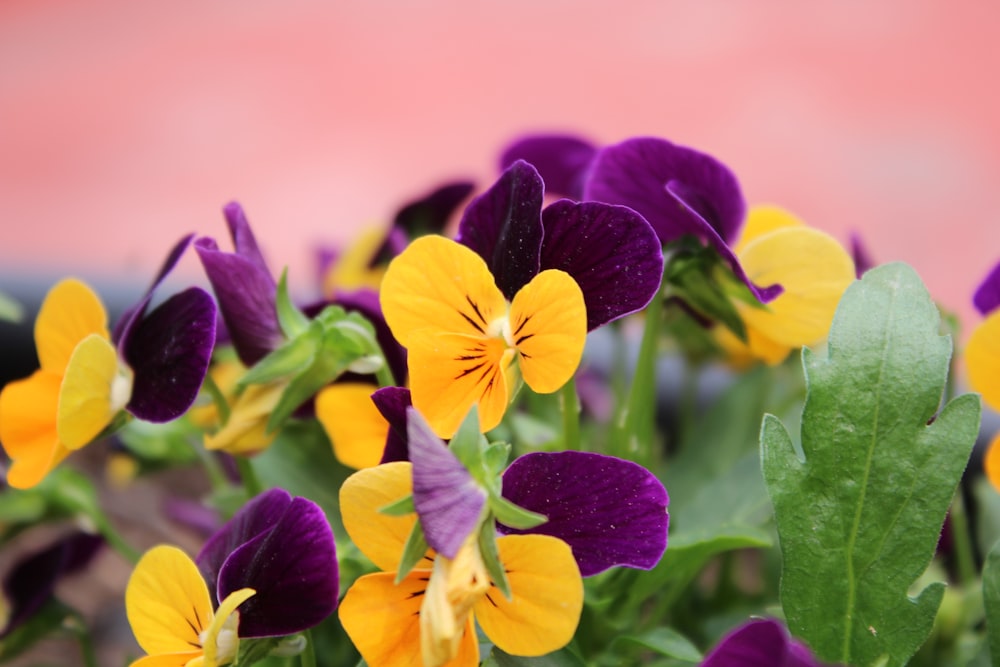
x: 860, y: 509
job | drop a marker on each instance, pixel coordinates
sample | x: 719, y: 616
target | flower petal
x: 504, y: 227
x: 441, y: 286
x: 610, y: 511
x: 610, y: 251
x: 245, y: 432
x: 379, y: 536
x: 245, y: 289
x: 383, y: 621
x: 987, y: 296
x: 169, y: 352
x: 991, y: 462
x: 167, y: 602
x: 86, y: 397
x: 356, y: 428
x: 561, y: 160
x: 764, y: 220
x: 759, y: 643
x: 814, y: 270
x: 70, y: 312
x: 28, y: 434
x: 430, y: 213
x: 982, y: 359
x: 169, y: 660
x: 448, y: 500
x: 546, y: 597
x: 392, y: 402
x: 548, y: 323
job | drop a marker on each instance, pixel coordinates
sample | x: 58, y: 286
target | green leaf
x: 692, y: 276
x: 292, y: 357
x: 510, y: 514
x: 10, y: 310
x: 991, y: 601
x: 665, y: 641
x: 292, y: 321
x: 491, y: 558
x: 561, y: 658
x: 466, y: 445
x: 413, y: 552
x: 859, y: 510
x: 47, y: 620
x: 401, y: 507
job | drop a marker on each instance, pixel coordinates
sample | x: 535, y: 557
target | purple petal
x: 192, y: 514
x: 293, y: 568
x: 393, y: 402
x: 504, y: 227
x: 245, y: 289
x: 759, y: 643
x: 256, y: 517
x: 636, y: 172
x: 447, y: 499
x: 987, y: 296
x: 612, y: 253
x: 169, y: 352
x: 561, y: 159
x: 30, y: 583
x: 430, y: 213
x: 131, y: 316
x: 610, y: 511
x: 859, y: 253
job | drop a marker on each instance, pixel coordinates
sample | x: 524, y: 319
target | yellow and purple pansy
x: 982, y: 360
x: 514, y: 297
x: 151, y: 366
x: 271, y: 571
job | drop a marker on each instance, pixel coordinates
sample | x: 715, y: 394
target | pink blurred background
x: 126, y: 124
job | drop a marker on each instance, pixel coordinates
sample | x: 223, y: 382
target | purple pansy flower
x: 987, y: 296
x: 168, y: 349
x: 760, y: 643
x: 610, y: 251
x: 283, y: 548
x: 30, y: 583
x: 562, y: 160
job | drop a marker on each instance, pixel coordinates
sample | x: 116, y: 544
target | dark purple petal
x: 393, y: 402
x: 293, y: 568
x: 636, y: 173
x: 759, y: 643
x: 987, y: 296
x: 504, y: 227
x: 447, y: 499
x: 169, y: 353
x: 610, y: 511
x: 30, y: 583
x: 859, y: 253
x: 245, y: 289
x: 561, y: 159
x: 430, y: 213
x: 134, y: 313
x: 255, y: 518
x: 612, y: 253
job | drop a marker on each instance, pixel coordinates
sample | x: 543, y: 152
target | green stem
x: 82, y: 634
x: 217, y: 397
x: 569, y: 401
x: 216, y: 476
x: 964, y: 558
x: 634, y: 437
x: 114, y: 539
x: 384, y: 376
x: 308, y: 656
x: 251, y: 483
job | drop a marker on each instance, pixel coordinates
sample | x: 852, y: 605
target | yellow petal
x: 439, y: 285
x: 449, y: 373
x: 28, y: 428
x: 758, y: 347
x: 70, y: 312
x: 352, y: 270
x: 379, y: 536
x: 246, y: 430
x: 383, y: 621
x: 546, y: 597
x: 222, y: 641
x: 814, y: 270
x: 548, y: 326
x: 454, y: 588
x: 167, y: 602
x: 92, y: 392
x: 982, y: 359
x: 991, y: 462
x: 170, y: 660
x: 762, y: 220
x: 356, y: 428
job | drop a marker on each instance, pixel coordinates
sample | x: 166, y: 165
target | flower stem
x: 251, y: 483
x: 308, y: 656
x: 964, y: 558
x: 569, y: 401
x: 636, y: 423
x: 114, y: 539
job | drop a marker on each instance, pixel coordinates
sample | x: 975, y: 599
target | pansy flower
x: 760, y: 643
x: 813, y: 270
x: 982, y: 360
x: 152, y: 367
x: 272, y: 570
x: 514, y: 297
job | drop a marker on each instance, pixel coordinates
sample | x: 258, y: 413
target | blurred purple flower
x: 987, y: 295
x: 760, y: 643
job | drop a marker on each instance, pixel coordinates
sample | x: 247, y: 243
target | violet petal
x: 759, y: 643
x: 610, y: 511
x: 862, y: 258
x: 392, y: 402
x: 430, y: 213
x: 448, y: 500
x: 134, y: 313
x: 504, y: 227
x: 169, y: 352
x: 635, y: 173
x: 612, y: 253
x: 256, y: 517
x: 561, y: 159
x: 293, y: 568
x: 987, y: 296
